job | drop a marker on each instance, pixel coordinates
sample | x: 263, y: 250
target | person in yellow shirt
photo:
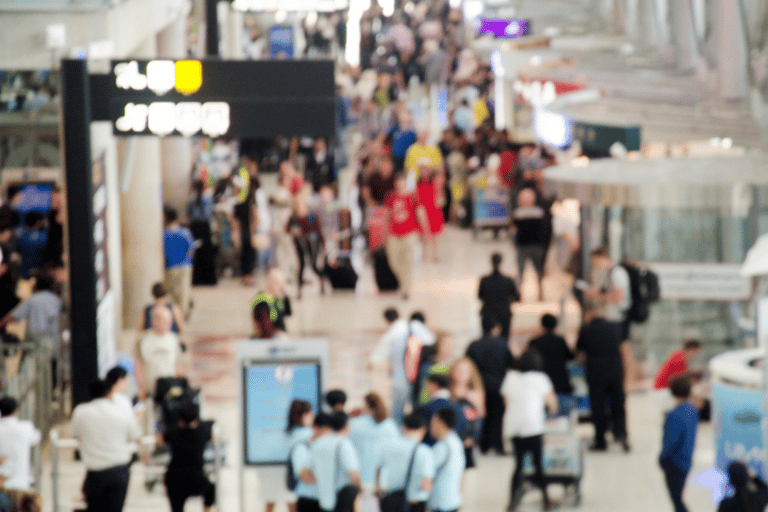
x: 481, y: 110
x: 420, y: 150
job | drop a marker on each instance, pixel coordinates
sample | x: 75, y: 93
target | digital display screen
x: 268, y: 390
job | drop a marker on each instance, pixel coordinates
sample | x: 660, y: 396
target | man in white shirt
x: 159, y: 351
x: 611, y: 285
x: 105, y: 433
x: 391, y: 350
x: 17, y: 437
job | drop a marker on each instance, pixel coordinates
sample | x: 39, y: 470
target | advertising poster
x: 737, y: 420
x: 281, y: 42
x: 269, y: 388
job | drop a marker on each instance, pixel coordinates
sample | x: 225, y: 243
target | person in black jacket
x: 498, y: 292
x: 493, y: 358
x: 601, y: 341
x: 750, y: 494
x: 185, y: 476
x: 556, y: 354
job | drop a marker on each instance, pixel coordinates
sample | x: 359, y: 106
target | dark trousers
x: 494, y: 416
x: 535, y: 446
x: 612, y: 388
x: 105, y: 490
x: 182, y: 485
x: 306, y: 248
x: 417, y: 507
x: 307, y: 505
x: 504, y: 320
x: 535, y: 253
x: 675, y: 478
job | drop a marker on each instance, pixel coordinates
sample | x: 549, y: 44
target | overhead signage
x: 290, y: 5
x: 509, y: 28
x: 540, y: 92
x: 702, y: 281
x: 219, y: 98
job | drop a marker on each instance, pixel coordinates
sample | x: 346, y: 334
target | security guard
x: 275, y: 297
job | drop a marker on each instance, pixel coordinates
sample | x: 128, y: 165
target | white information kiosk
x: 271, y: 375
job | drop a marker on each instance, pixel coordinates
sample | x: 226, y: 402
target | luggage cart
x: 563, y: 457
x: 490, y: 208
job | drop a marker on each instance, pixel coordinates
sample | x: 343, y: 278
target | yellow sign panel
x: 189, y: 76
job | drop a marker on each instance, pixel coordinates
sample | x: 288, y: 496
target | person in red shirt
x: 401, y: 242
x: 430, y: 215
x: 677, y: 364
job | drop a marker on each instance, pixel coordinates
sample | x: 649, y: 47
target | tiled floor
x: 612, y: 482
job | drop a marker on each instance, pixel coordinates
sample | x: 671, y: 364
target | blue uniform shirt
x: 395, y: 458
x: 178, y: 244
x: 331, y: 458
x: 448, y: 454
x: 30, y: 246
x: 679, y: 437
x: 298, y: 442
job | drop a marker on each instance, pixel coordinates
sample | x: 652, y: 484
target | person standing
x: 401, y: 242
x: 423, y: 150
x: 159, y: 353
x: 528, y: 222
x: 17, y: 437
x: 307, y: 238
x: 160, y: 296
x: 528, y: 393
x: 679, y: 441
x: 105, y: 432
x: 497, y: 293
x: 556, y: 354
x: 493, y: 358
x: 428, y: 190
x: 300, y: 458
x: 185, y: 476
x: 600, y: 342
x: 405, y: 469
x: 440, y: 398
x: 179, y: 247
x: 368, y: 432
x: 448, y: 455
x: 391, y: 349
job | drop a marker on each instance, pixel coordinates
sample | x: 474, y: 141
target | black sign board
x: 217, y: 98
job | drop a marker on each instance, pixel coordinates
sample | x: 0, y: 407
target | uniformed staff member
x: 274, y: 295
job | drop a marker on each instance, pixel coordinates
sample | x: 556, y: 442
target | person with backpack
x: 611, y: 286
x: 405, y: 469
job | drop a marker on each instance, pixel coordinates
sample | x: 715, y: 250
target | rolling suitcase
x: 341, y: 274
x: 385, y: 278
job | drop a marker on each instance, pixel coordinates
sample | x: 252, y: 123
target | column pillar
x: 233, y: 25
x: 731, y: 51
x: 684, y: 35
x: 648, y: 35
x: 175, y: 152
x: 141, y: 216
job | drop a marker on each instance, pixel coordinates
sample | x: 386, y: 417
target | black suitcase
x: 385, y: 278
x: 341, y: 274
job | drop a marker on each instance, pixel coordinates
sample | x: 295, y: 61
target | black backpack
x: 644, y: 288
x: 291, y: 482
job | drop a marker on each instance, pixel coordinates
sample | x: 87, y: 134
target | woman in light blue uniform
x: 368, y: 434
x: 298, y: 432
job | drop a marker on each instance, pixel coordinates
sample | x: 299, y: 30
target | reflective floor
x: 612, y: 482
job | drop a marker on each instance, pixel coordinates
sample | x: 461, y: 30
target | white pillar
x: 141, y: 218
x: 731, y: 51
x: 233, y: 33
x: 176, y: 152
x: 648, y: 34
x: 684, y: 35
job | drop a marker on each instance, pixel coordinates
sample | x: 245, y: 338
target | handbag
x: 397, y: 501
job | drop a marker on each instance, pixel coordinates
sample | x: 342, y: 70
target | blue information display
x: 281, y: 42
x: 269, y: 388
x: 737, y: 421
x: 31, y: 197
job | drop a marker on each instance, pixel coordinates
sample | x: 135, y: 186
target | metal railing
x: 36, y: 378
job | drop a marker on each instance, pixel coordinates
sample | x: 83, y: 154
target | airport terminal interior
x: 383, y: 255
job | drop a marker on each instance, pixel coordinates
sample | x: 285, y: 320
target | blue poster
x: 737, y: 420
x: 281, y: 42
x: 269, y: 389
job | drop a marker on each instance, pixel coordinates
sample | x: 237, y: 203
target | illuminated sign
x: 218, y: 98
x: 552, y: 128
x: 504, y: 28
